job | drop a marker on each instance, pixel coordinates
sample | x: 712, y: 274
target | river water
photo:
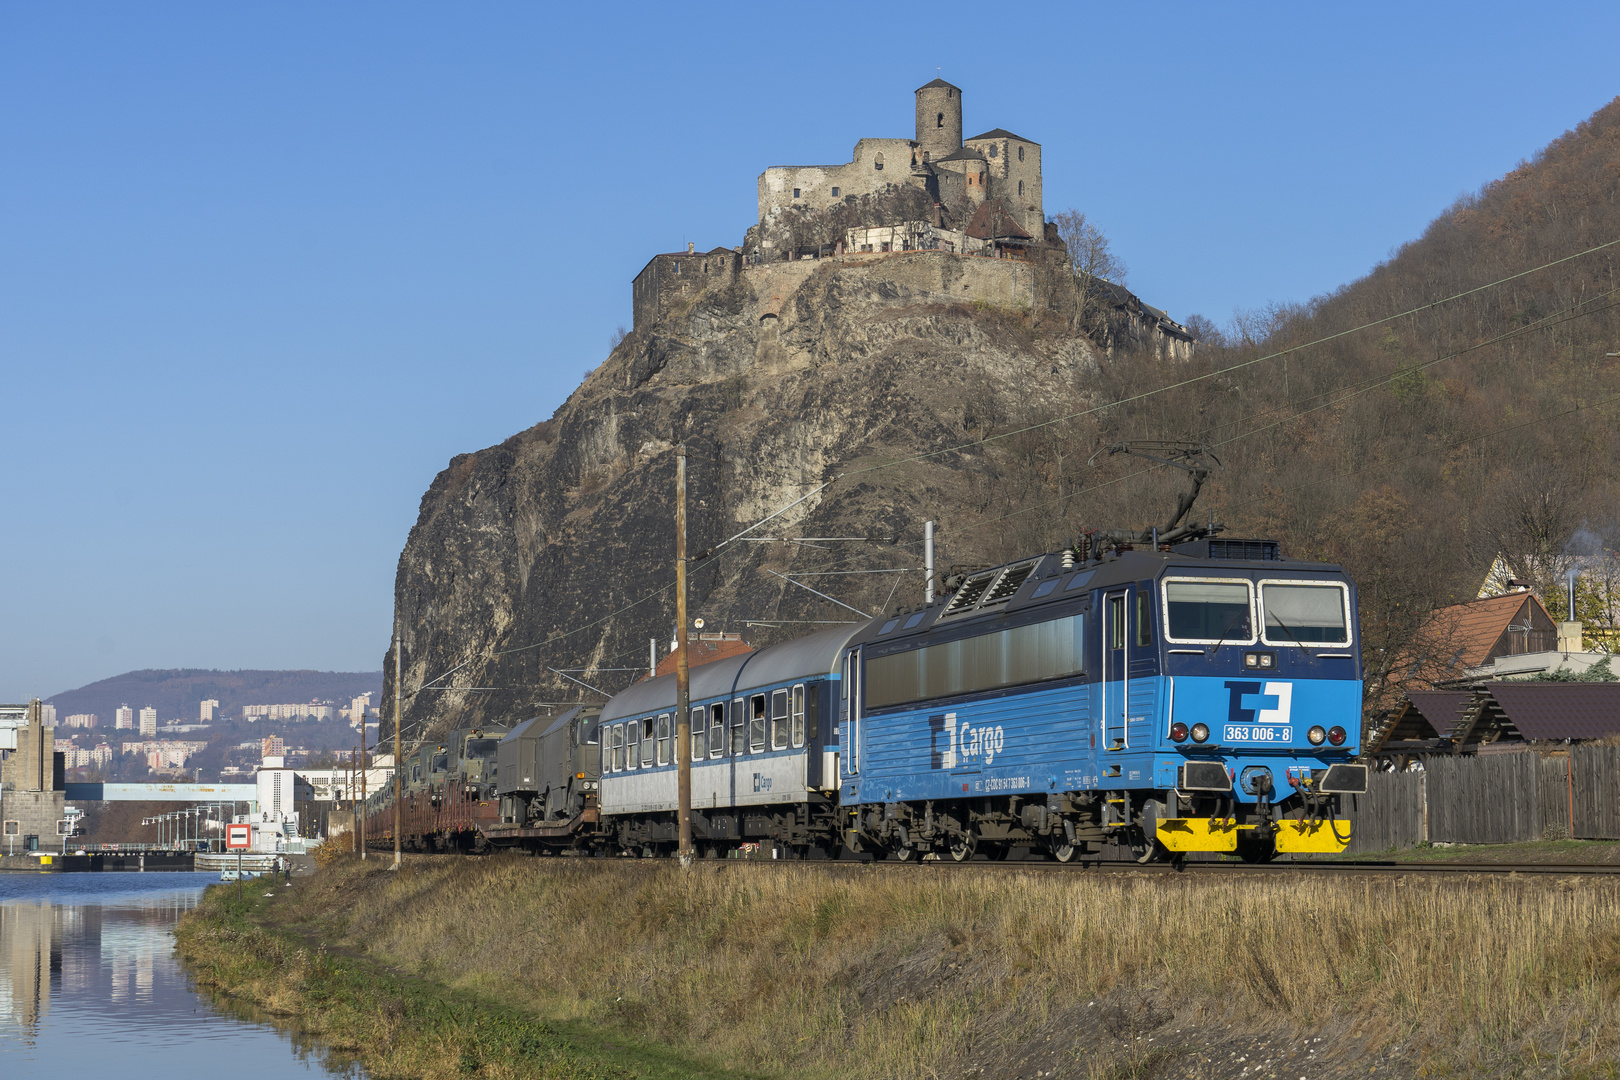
x: 89, y: 986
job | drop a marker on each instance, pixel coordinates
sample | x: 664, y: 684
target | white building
x: 82, y: 720
x: 206, y: 710
x: 149, y: 721
x: 280, y: 789
x: 47, y: 714
x: 123, y: 717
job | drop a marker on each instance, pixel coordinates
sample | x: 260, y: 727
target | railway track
x: 1273, y: 869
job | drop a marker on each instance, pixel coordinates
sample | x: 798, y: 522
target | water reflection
x: 89, y: 981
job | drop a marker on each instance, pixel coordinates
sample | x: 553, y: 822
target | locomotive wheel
x: 903, y: 854
x: 961, y: 848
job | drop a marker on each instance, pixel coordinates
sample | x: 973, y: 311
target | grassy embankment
x: 559, y: 968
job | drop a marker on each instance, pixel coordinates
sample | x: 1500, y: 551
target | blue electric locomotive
x: 1204, y: 696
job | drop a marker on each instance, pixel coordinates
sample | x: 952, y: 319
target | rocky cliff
x: 555, y: 549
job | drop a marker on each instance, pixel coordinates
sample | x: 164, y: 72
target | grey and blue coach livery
x: 1201, y: 697
x: 764, y: 752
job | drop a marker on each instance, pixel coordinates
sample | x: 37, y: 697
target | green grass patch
x: 349, y: 1008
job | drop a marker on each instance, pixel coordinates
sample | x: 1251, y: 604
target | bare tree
x: 1092, y: 263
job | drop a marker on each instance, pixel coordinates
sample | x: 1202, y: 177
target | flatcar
x: 449, y: 794
x: 1205, y: 697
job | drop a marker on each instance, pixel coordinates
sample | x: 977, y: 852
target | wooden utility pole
x: 398, y: 795
x: 363, y: 781
x: 683, y: 674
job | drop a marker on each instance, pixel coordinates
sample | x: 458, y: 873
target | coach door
x: 1116, y: 666
x: 850, y: 707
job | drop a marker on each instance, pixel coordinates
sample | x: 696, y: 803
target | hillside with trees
x: 1455, y: 404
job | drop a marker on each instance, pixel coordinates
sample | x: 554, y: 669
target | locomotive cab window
x: 779, y: 720
x: 1144, y: 616
x: 1208, y: 611
x: 756, y: 723
x: 717, y: 729
x: 663, y: 738
x: 700, y: 741
x: 1116, y: 622
x: 1305, y: 613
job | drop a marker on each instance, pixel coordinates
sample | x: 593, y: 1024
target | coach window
x: 779, y: 720
x: 647, y: 741
x: 663, y: 739
x: 798, y: 715
x: 618, y: 747
x: 717, y: 729
x: 1144, y: 615
x: 607, y: 753
x: 700, y: 740
x: 739, y: 727
x: 756, y: 723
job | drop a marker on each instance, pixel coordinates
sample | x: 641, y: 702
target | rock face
x: 555, y: 549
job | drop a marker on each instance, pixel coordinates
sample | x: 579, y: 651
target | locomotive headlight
x: 1335, y: 735
x: 1200, y: 732
x: 1251, y: 659
x: 1178, y: 732
x: 1316, y: 734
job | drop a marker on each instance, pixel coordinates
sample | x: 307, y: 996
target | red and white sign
x: 238, y: 837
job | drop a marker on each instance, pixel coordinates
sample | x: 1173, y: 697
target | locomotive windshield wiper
x: 1229, y: 625
x: 1270, y: 618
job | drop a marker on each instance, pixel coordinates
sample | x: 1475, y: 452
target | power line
x: 1226, y: 370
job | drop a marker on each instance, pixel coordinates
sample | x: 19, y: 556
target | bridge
x: 188, y: 793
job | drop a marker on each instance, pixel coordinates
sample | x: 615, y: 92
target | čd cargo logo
x: 1260, y: 703
x: 949, y: 743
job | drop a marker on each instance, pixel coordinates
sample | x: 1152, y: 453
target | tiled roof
x: 1442, y: 710
x: 1465, y: 633
x: 1550, y: 710
x: 964, y: 154
x: 938, y: 83
x: 699, y: 651
x: 1001, y: 133
x: 993, y: 221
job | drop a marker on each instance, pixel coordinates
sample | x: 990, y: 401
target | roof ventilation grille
x: 1249, y: 550
x: 968, y: 595
x: 1008, y: 584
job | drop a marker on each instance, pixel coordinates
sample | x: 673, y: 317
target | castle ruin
x: 938, y: 198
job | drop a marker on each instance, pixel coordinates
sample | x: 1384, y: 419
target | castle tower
x: 939, y: 120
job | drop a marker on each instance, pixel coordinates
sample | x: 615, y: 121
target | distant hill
x: 176, y: 692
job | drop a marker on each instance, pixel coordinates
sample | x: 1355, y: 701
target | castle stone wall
x: 816, y: 184
x: 1015, y: 176
x: 676, y: 278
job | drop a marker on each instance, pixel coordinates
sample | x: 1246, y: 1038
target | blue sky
x: 264, y: 269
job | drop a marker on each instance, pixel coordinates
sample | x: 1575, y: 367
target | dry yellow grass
x: 918, y: 972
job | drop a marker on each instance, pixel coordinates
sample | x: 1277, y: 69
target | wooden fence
x: 1500, y: 798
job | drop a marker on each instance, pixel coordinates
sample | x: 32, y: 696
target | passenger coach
x: 764, y: 752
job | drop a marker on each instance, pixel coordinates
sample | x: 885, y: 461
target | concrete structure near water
x: 31, y: 787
